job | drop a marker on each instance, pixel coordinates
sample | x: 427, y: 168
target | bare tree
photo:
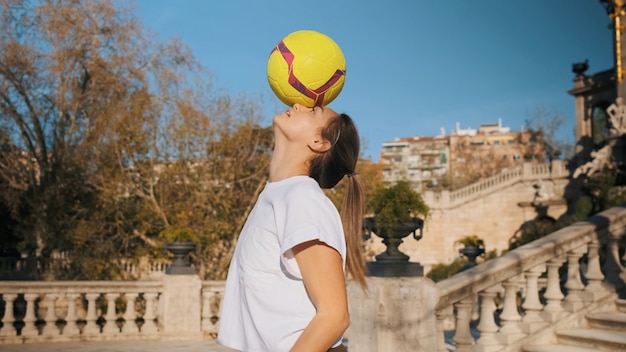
x: 107, y: 137
x: 549, y: 123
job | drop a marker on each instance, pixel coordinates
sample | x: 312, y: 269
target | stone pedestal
x: 181, y: 307
x: 180, y: 264
x: 394, y: 269
x: 394, y: 314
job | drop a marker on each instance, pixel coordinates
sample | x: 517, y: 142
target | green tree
x: 392, y: 205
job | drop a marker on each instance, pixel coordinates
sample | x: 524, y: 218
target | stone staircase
x: 528, y: 172
x: 605, y: 331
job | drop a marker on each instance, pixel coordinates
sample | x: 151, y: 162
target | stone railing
x: 527, y: 172
x: 24, y: 268
x: 75, y: 310
x: 145, y: 268
x: 20, y: 267
x: 531, y: 272
x: 65, y: 311
x: 393, y: 314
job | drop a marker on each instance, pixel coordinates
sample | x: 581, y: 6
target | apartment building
x: 418, y: 160
x: 460, y: 158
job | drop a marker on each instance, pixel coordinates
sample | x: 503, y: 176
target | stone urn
x: 181, y: 264
x: 471, y: 252
x: 392, y: 262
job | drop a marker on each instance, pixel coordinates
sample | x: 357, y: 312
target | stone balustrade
x: 64, y: 311
x: 511, y: 303
x: 521, y: 296
x: 144, y: 268
x: 43, y: 311
x: 24, y: 268
x: 557, y: 169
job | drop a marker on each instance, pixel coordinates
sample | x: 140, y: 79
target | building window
x: 496, y: 142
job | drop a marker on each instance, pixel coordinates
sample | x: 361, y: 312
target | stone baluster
x: 527, y: 171
x: 444, y: 201
x: 216, y: 304
x: 110, y: 325
x: 71, y: 326
x: 532, y: 320
x: 487, y: 325
x: 130, y: 315
x: 463, y: 337
x: 8, y: 329
x: 30, y: 318
x: 574, y: 286
x: 622, y: 275
x: 612, y: 265
x: 50, y: 328
x: 150, y: 325
x: 207, y: 325
x: 510, y: 330
x: 441, y: 315
x: 91, y: 326
x: 132, y: 268
x: 594, y: 289
x: 553, y: 294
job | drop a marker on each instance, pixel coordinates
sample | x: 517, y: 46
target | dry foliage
x: 108, y: 136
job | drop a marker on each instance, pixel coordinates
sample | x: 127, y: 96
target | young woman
x: 286, y: 288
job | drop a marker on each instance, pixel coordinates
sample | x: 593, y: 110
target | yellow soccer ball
x: 306, y: 67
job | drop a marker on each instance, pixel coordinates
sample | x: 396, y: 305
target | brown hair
x: 328, y: 169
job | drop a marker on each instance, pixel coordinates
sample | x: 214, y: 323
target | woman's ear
x: 319, y: 145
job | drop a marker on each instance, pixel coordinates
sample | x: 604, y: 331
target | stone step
x: 610, y: 321
x: 602, y: 340
x: 621, y: 305
x: 556, y: 348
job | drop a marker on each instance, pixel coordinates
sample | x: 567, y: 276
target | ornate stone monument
x: 614, y: 150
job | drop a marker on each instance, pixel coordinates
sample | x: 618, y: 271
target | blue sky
x: 413, y: 66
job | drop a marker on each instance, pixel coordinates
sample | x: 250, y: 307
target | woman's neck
x: 287, y: 162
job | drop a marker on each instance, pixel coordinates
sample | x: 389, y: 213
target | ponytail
x: 328, y: 169
x: 352, y: 218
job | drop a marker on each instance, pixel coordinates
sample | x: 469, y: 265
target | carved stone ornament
x: 617, y: 117
x: 600, y: 158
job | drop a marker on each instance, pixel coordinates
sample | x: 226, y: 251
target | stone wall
x: 495, y: 214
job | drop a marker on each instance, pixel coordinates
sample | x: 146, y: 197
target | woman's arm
x: 322, y: 271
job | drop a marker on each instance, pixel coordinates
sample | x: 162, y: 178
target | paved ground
x: 126, y: 346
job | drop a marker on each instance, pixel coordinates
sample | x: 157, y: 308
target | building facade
x: 419, y: 160
x: 455, y: 160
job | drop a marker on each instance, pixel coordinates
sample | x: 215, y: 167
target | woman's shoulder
x: 297, y: 189
x: 295, y: 183
x: 307, y: 186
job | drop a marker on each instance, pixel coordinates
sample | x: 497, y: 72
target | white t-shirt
x: 266, y: 306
